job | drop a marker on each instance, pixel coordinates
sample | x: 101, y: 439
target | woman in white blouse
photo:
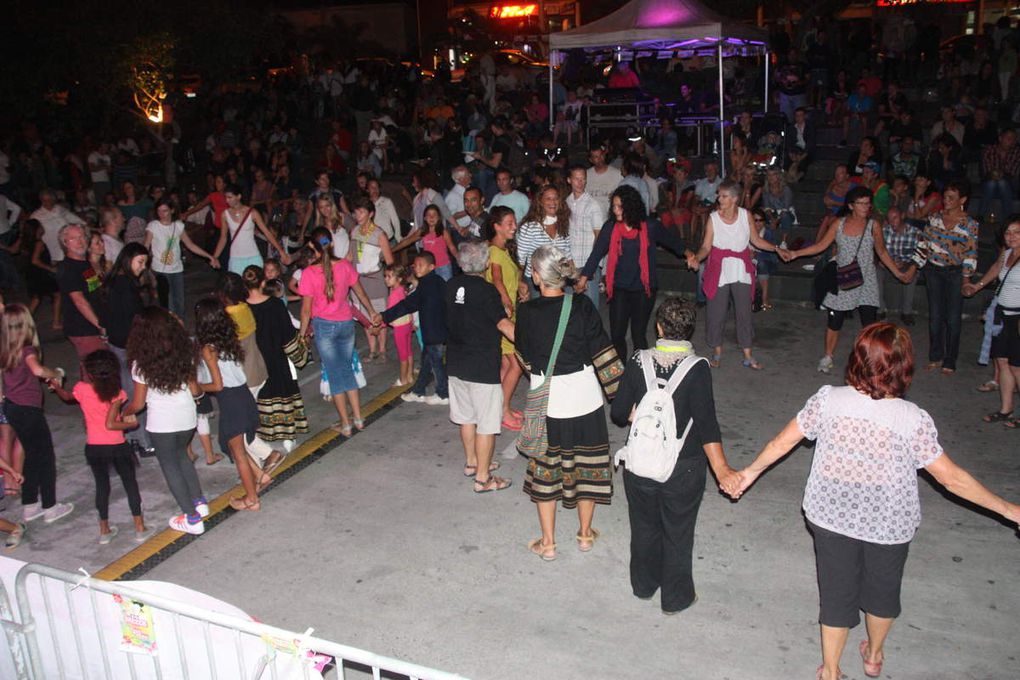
x: 861, y: 500
x: 547, y: 224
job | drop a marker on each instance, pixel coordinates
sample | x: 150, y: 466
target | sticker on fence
x: 137, y: 634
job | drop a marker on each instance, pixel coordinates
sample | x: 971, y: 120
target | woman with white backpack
x: 663, y: 500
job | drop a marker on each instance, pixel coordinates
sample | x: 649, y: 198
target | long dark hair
x: 103, y: 371
x: 161, y: 349
x: 214, y: 327
x: 439, y: 224
x: 633, y: 207
x: 122, y: 265
x: 321, y: 243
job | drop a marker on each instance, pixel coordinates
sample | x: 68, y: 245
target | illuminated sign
x: 513, y: 11
x: 905, y: 3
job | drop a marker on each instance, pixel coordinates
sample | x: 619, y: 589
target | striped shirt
x: 952, y: 246
x: 1009, y: 286
x: 530, y: 237
x: 586, y: 218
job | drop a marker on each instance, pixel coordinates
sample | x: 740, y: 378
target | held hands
x: 581, y: 285
x: 692, y: 261
x: 786, y: 255
x: 522, y: 292
x: 286, y: 258
x: 970, y: 288
x: 735, y: 484
x: 214, y: 263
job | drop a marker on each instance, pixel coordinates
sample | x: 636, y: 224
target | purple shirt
x: 20, y: 385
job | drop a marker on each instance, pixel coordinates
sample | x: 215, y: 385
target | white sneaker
x: 411, y: 396
x: 104, y: 539
x: 288, y: 445
x: 202, y: 509
x: 436, y: 400
x: 15, y: 537
x: 57, y: 511
x: 33, y: 511
x: 181, y: 523
x: 143, y: 536
x: 825, y: 365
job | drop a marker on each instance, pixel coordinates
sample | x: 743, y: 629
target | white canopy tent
x: 685, y: 26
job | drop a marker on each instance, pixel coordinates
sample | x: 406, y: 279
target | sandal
x: 767, y: 307
x: 998, y: 417
x: 990, y: 386
x: 272, y: 463
x: 472, y: 470
x: 751, y: 363
x: 1012, y: 423
x: 511, y: 423
x: 242, y: 504
x: 359, y: 423
x: 586, y: 543
x: 493, y: 483
x: 932, y: 365
x: 546, y: 552
x: 263, y: 481
x: 872, y: 670
x: 345, y: 430
x: 714, y: 361
x: 213, y: 459
x: 948, y: 371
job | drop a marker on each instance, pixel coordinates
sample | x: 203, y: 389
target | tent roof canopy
x: 663, y: 25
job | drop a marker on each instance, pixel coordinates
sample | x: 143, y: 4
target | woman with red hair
x: 861, y: 500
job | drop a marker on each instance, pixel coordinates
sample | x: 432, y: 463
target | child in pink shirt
x: 100, y: 400
x: 403, y: 327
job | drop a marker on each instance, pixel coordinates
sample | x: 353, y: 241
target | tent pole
x: 722, y: 128
x: 552, y: 116
x: 766, y: 107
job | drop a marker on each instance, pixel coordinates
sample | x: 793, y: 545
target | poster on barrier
x: 137, y: 634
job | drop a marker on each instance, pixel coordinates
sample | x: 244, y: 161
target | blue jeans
x: 334, y: 341
x: 445, y: 272
x: 170, y: 288
x: 996, y: 188
x: 592, y: 291
x: 945, y: 312
x: 433, y: 362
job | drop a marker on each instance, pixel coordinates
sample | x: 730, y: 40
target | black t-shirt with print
x: 473, y: 309
x: 78, y: 276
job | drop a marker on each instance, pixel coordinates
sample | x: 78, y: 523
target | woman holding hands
x: 861, y: 500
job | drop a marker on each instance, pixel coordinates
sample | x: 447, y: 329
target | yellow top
x: 510, y: 272
x: 243, y: 319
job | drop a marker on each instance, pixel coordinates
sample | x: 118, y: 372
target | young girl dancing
x: 396, y: 277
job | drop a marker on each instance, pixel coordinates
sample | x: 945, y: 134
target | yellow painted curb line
x: 167, y: 537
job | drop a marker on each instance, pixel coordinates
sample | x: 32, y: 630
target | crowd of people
x: 498, y: 270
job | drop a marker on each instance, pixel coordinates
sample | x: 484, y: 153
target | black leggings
x: 630, y: 309
x: 125, y: 467
x: 867, y: 314
x: 40, y: 468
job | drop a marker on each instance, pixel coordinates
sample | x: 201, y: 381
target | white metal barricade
x: 72, y: 627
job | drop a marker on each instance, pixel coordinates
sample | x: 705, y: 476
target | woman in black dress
x: 281, y: 409
x: 39, y: 274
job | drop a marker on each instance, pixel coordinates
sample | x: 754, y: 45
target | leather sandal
x: 472, y: 470
x: 997, y: 417
x: 242, y: 504
x: 872, y: 670
x: 586, y: 543
x: 493, y: 483
x: 546, y: 552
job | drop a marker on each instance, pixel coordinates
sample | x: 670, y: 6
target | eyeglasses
x: 862, y: 202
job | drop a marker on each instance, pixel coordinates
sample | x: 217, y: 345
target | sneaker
x: 143, y: 536
x: 57, y: 511
x: 104, y: 539
x: 14, y: 538
x: 411, y: 396
x: 436, y: 400
x: 33, y: 511
x: 181, y: 523
x: 202, y: 508
x: 825, y: 365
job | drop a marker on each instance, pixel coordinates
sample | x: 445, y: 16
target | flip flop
x: 472, y: 470
x: 751, y: 363
x: 215, y: 459
x: 872, y: 670
x: 242, y: 504
x: 586, y: 543
x: 270, y: 467
x: 990, y: 386
x: 515, y: 424
x: 263, y: 481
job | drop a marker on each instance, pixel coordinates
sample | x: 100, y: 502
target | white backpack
x: 652, y: 446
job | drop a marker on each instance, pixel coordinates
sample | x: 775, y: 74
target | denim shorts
x: 334, y: 341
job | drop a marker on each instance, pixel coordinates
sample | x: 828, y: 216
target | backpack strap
x: 681, y: 371
x: 648, y: 368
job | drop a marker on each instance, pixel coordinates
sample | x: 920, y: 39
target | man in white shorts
x: 475, y: 319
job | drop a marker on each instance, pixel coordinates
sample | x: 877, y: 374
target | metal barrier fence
x: 71, y: 637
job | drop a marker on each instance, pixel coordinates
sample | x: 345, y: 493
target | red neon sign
x: 513, y: 11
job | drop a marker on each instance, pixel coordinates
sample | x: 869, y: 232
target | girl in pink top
x: 403, y: 328
x: 434, y: 239
x: 100, y: 400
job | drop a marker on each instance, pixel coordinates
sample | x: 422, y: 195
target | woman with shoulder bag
x: 561, y: 335
x: 1006, y: 344
x: 857, y: 236
x: 370, y: 250
x: 163, y: 238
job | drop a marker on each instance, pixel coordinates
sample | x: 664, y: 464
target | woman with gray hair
x: 476, y: 322
x: 575, y: 468
x: 730, y: 271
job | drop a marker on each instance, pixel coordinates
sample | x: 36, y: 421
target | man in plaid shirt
x: 1000, y: 164
x: 900, y: 241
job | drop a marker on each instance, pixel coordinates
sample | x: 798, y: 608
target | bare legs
x: 478, y: 449
x: 340, y: 402
x: 831, y: 340
x: 12, y: 453
x: 834, y: 641
x: 547, y: 521
x: 246, y: 469
x: 509, y: 375
x: 1008, y: 377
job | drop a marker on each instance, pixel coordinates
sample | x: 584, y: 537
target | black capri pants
x: 855, y: 575
x: 101, y: 457
x: 867, y: 313
x: 1006, y: 345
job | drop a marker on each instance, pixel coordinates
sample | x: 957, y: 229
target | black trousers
x: 125, y: 467
x: 40, y: 469
x: 662, y: 519
x: 630, y: 309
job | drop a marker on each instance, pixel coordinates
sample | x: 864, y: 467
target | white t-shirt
x: 112, y: 246
x: 243, y: 234
x: 455, y: 203
x: 377, y: 140
x: 99, y: 175
x: 601, y: 186
x: 167, y: 412
x: 386, y: 217
x: 166, y: 246
x: 1009, y: 295
x: 52, y: 222
x: 734, y: 237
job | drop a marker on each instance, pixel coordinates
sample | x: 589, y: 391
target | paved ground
x: 381, y: 544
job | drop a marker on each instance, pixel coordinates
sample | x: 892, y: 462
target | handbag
x: 532, y: 440
x: 297, y: 351
x: 850, y: 276
x: 224, y: 256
